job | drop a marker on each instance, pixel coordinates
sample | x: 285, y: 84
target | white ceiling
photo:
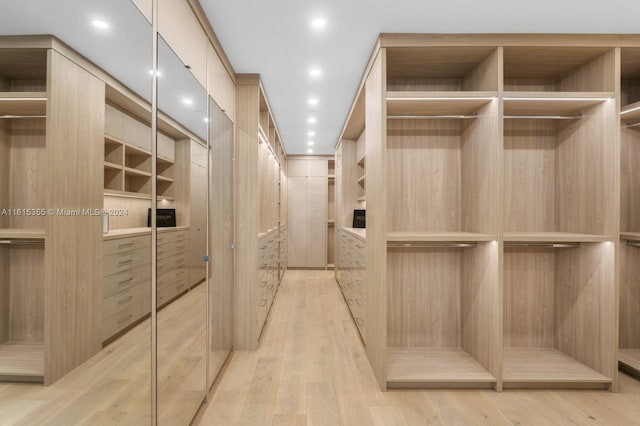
x: 275, y: 38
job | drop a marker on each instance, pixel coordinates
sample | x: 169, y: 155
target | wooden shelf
x: 21, y: 234
x: 414, y: 366
x: 331, y: 222
x: 548, y: 366
x: 632, y: 236
x: 129, y: 171
x: 436, y: 103
x: 551, y: 103
x: 112, y: 166
x: 361, y: 199
x: 630, y: 358
x: 361, y: 160
x: 631, y: 111
x: 135, y: 150
x: 161, y: 178
x: 126, y: 194
x: 22, y: 360
x: 166, y: 161
x: 23, y: 103
x: 360, y: 233
x: 438, y: 237
x: 553, y: 237
x: 362, y: 179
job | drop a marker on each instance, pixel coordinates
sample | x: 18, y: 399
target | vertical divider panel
x: 499, y: 359
x: 376, y: 247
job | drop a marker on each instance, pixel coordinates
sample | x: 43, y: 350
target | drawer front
x: 171, y: 291
x: 122, y: 245
x: 168, y: 264
x: 172, y: 277
x: 120, y: 320
x: 127, y: 279
x: 122, y: 300
x: 117, y: 263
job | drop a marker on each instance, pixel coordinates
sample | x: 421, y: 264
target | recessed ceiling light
x: 309, y: 151
x: 318, y: 23
x: 206, y: 120
x: 311, y: 134
x: 158, y: 73
x: 315, y: 72
x: 312, y: 120
x: 100, y: 24
x: 310, y: 143
x: 187, y: 101
x: 313, y: 101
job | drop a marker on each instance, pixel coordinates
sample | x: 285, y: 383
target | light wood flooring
x: 311, y: 369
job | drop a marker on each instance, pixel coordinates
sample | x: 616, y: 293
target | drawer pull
x: 180, y: 247
x: 262, y: 303
x: 359, y: 302
x: 125, y: 300
x: 125, y: 318
x: 359, y: 322
x: 123, y: 282
x: 270, y: 286
x: 180, y: 261
x: 124, y: 262
x: 123, y: 245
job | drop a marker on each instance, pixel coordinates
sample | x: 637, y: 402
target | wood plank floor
x: 311, y: 369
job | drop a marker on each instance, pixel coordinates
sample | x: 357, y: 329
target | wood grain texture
x: 596, y: 75
x: 630, y: 179
x: 423, y: 294
x: 629, y: 297
x: 75, y: 122
x: 196, y: 210
x: 221, y: 234
x: 431, y: 149
x: 377, y: 165
x: 529, y: 175
x: 585, y: 306
x: 246, y: 330
x: 26, y: 293
x: 5, y: 146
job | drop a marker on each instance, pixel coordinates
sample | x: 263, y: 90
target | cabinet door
x: 299, y: 168
x: 198, y: 223
x: 317, y: 222
x: 298, y: 214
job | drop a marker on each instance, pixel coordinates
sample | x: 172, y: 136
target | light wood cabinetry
x: 49, y: 310
x: 493, y: 191
x: 629, y: 343
x: 308, y: 189
x: 260, y: 164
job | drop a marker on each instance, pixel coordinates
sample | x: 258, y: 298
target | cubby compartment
x: 559, y: 315
x: 440, y: 69
x: 559, y: 69
x: 558, y: 176
x: 441, y: 315
x: 629, y: 352
x: 630, y: 84
x: 452, y: 184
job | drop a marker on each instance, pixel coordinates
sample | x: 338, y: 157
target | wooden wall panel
x: 297, y: 221
x: 428, y: 198
x: 480, y: 178
x: 245, y: 334
x: 485, y: 75
x: 630, y: 179
x: 5, y: 145
x: 529, y: 175
x: 137, y: 212
x: 5, y: 170
x: 529, y: 297
x: 26, y: 300
x: 73, y: 255
x: 220, y: 85
x: 316, y: 222
x: 423, y: 291
x: 587, y: 171
x: 479, y: 302
x: 27, y: 162
x: 629, y: 297
x: 348, y: 189
x: 376, y: 250
x: 198, y: 217
x: 585, y: 306
x: 5, y: 292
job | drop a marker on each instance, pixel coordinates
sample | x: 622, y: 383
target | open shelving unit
x: 494, y: 214
x: 331, y: 213
x: 629, y: 339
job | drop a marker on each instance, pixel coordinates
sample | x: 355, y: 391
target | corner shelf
x: 362, y: 179
x: 362, y: 160
x: 631, y: 111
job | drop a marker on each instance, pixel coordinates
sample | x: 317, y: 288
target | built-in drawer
x: 120, y: 320
x: 126, y: 244
x: 122, y: 300
x: 172, y: 277
x: 124, y: 280
x: 166, y: 294
x: 171, y: 236
x: 117, y: 263
x: 177, y: 261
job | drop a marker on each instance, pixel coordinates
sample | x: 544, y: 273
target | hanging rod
x: 428, y: 244
x: 630, y: 125
x: 546, y: 117
x: 9, y: 241
x: 22, y: 116
x: 542, y: 245
x: 632, y: 243
x: 432, y: 117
